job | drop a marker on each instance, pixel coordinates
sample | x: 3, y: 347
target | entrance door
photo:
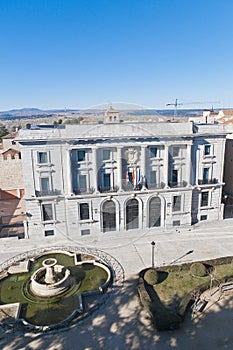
x: 155, y: 212
x: 132, y: 214
x: 109, y: 216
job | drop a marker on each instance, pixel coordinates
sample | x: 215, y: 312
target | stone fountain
x: 45, y: 289
x: 50, y: 280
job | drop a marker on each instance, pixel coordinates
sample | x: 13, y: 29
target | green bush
x: 151, y: 276
x: 143, y: 295
x: 198, y: 269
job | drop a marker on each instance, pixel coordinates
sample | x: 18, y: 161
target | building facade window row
x: 112, y: 178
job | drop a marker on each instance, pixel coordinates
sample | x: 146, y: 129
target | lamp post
x: 182, y: 256
x: 153, y: 254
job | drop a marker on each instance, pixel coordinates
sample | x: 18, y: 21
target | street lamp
x: 182, y: 256
x: 153, y: 254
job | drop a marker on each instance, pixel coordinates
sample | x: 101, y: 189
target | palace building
x: 113, y: 176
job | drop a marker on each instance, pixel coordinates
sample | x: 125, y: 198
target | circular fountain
x: 46, y: 288
x: 50, y: 280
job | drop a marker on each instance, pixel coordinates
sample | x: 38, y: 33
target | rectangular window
x: 49, y: 233
x: 174, y: 176
x: 45, y: 186
x: 207, y: 150
x: 176, y: 205
x: 42, y: 157
x: 47, y: 212
x: 203, y: 217
x: 106, y: 154
x: 175, y: 151
x: 153, y: 152
x: 205, y: 175
x: 107, y: 181
x: 204, y: 199
x: 176, y: 223
x: 84, y: 211
x: 153, y: 178
x: 82, y: 183
x: 81, y: 155
x: 85, y: 232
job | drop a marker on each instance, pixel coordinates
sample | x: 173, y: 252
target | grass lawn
x: 180, y: 282
x: 170, y: 296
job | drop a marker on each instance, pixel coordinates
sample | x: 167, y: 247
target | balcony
x: 155, y: 186
x: 108, y: 189
x: 78, y: 191
x: 177, y: 184
x: 207, y: 181
x: 47, y: 193
x: 130, y: 187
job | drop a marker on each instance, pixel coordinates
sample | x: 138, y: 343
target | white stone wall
x: 58, y: 143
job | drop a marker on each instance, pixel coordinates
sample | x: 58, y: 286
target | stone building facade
x: 113, y: 176
x: 11, y: 176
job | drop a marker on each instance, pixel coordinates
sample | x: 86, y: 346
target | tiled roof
x: 14, y: 151
x: 12, y: 135
x: 227, y: 112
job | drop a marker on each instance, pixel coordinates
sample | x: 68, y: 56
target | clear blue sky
x: 80, y: 53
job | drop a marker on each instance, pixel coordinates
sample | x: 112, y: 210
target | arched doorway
x: 132, y: 214
x: 109, y: 216
x: 155, y: 212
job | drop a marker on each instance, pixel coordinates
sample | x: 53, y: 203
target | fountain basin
x: 50, y: 280
x: 50, y: 292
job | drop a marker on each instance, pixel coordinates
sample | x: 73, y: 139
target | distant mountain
x: 21, y: 112
x: 127, y: 109
x: 31, y: 112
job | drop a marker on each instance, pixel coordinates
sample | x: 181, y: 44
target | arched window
x: 109, y: 216
x: 132, y: 214
x: 155, y: 212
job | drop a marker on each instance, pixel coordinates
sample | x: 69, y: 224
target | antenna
x: 176, y: 104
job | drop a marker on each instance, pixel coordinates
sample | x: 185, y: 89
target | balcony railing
x: 207, y: 181
x: 177, y: 184
x: 47, y: 193
x: 130, y: 187
x: 155, y: 186
x: 78, y: 191
x: 108, y: 189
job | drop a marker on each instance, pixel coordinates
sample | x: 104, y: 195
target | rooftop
x: 118, y: 131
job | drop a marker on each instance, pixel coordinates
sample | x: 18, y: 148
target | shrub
x: 151, y: 276
x: 143, y: 295
x: 198, y: 269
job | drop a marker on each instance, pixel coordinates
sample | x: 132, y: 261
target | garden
x: 168, y: 292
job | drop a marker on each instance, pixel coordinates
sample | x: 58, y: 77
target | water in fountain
x: 60, y: 280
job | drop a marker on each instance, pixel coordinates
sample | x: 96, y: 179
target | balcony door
x: 155, y: 212
x: 109, y: 216
x: 132, y: 209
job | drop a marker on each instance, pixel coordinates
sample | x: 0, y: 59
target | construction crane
x: 176, y: 104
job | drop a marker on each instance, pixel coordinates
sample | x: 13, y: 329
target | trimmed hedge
x: 198, y: 269
x: 162, y: 317
x: 151, y: 276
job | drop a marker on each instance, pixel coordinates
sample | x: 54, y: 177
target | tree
x: 3, y: 132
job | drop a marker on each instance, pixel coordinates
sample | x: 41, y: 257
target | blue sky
x: 80, y: 53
